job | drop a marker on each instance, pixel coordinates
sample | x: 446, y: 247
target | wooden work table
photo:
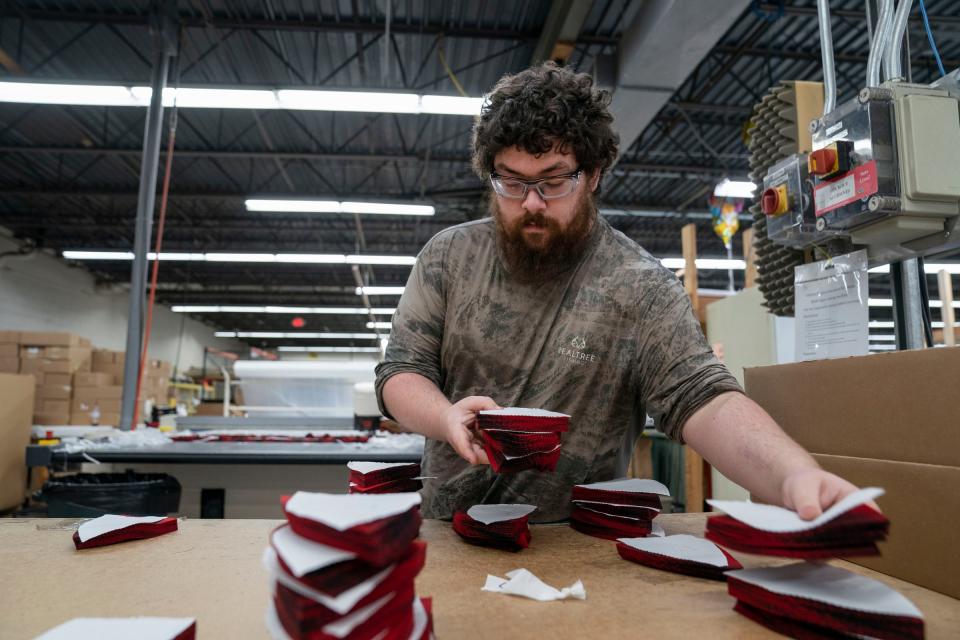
x: 211, y: 570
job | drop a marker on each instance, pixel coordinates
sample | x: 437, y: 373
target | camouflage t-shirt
x: 608, y: 341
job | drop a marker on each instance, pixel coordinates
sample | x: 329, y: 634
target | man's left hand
x: 810, y: 491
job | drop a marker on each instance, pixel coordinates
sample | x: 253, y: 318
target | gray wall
x: 42, y: 293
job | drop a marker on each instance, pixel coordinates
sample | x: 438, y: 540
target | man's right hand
x: 460, y: 424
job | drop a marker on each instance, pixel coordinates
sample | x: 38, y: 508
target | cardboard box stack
x: 9, y: 352
x: 98, y: 393
x: 52, y: 357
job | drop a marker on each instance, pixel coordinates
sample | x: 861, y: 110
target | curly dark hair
x: 543, y: 108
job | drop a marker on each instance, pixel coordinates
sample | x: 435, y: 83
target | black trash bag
x: 89, y: 495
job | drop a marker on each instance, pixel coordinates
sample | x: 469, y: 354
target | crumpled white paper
x: 521, y: 582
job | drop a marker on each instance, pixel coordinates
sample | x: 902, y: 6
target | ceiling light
x: 113, y: 95
x: 734, y: 189
x: 293, y: 206
x: 279, y: 205
x: 292, y: 349
x: 883, y: 337
x: 930, y: 268
x: 386, y: 208
x: 293, y: 258
x: 295, y: 335
x: 379, y: 311
x: 881, y: 324
x: 705, y: 263
x: 380, y: 291
x: 379, y: 325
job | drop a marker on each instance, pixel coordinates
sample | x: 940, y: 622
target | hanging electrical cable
x: 161, y: 219
x: 933, y: 44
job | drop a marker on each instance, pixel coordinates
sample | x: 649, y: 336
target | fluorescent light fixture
x: 451, y: 105
x: 293, y: 258
x: 379, y: 325
x: 881, y: 324
x: 113, y: 95
x: 280, y: 205
x: 361, y: 101
x: 292, y: 206
x: 888, y: 302
x: 241, y: 257
x: 883, y: 337
x: 883, y: 347
x: 734, y: 189
x: 334, y: 311
x: 931, y: 268
x: 386, y: 208
x: 302, y: 335
x: 706, y: 263
x: 75, y: 94
x: 380, y: 291
x: 394, y: 260
x: 293, y: 349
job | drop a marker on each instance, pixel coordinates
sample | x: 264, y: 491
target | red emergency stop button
x: 774, y: 201
x: 824, y: 162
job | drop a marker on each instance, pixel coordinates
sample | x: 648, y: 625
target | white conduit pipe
x: 826, y: 53
x: 892, y: 62
x: 879, y: 43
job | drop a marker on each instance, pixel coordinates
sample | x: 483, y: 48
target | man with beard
x: 545, y: 305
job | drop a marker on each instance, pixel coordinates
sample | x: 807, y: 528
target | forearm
x: 417, y: 404
x: 739, y: 438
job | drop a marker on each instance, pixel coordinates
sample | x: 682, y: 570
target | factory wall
x: 42, y: 293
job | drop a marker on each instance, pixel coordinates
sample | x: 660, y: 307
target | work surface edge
x: 211, y: 570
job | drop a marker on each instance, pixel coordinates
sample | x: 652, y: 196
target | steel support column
x: 907, y: 304
x: 164, y: 37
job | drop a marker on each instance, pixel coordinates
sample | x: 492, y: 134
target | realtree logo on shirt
x: 577, y: 350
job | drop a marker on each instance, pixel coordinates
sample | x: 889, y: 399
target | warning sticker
x: 859, y: 183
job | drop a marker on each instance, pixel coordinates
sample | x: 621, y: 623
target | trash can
x: 88, y: 495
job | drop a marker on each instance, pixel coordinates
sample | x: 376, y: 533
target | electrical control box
x: 885, y: 169
x: 787, y: 203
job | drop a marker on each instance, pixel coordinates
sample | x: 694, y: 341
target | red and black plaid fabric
x: 677, y: 565
x: 779, y: 611
x: 134, y: 532
x: 511, y: 535
x: 601, y: 525
x: 379, y: 543
x: 854, y: 533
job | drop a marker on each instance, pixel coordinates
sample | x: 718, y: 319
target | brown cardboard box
x: 55, y: 406
x: 9, y: 350
x: 9, y: 337
x: 30, y: 353
x: 885, y: 420
x: 67, y: 353
x: 52, y: 418
x: 106, y: 406
x: 889, y: 406
x: 9, y: 365
x: 37, y: 401
x: 919, y: 499
x: 112, y: 369
x: 113, y: 392
x: 93, y: 379
x: 55, y: 391
x: 43, y: 365
x: 50, y: 338
x: 58, y: 378
x: 16, y: 411
x: 106, y: 356
x: 110, y: 419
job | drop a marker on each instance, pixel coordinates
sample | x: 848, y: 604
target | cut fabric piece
x: 681, y: 553
x: 635, y: 492
x: 520, y: 419
x: 849, y: 528
x: 500, y: 462
x: 393, y: 578
x: 377, y: 528
x: 521, y: 582
x: 111, y: 529
x: 367, y: 623
x: 503, y: 526
x: 828, y: 599
x: 393, y: 486
x: 143, y: 628
x: 367, y: 475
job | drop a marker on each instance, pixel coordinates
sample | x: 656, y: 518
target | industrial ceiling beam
x: 560, y: 30
x: 667, y: 40
x: 814, y: 55
x: 306, y: 24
